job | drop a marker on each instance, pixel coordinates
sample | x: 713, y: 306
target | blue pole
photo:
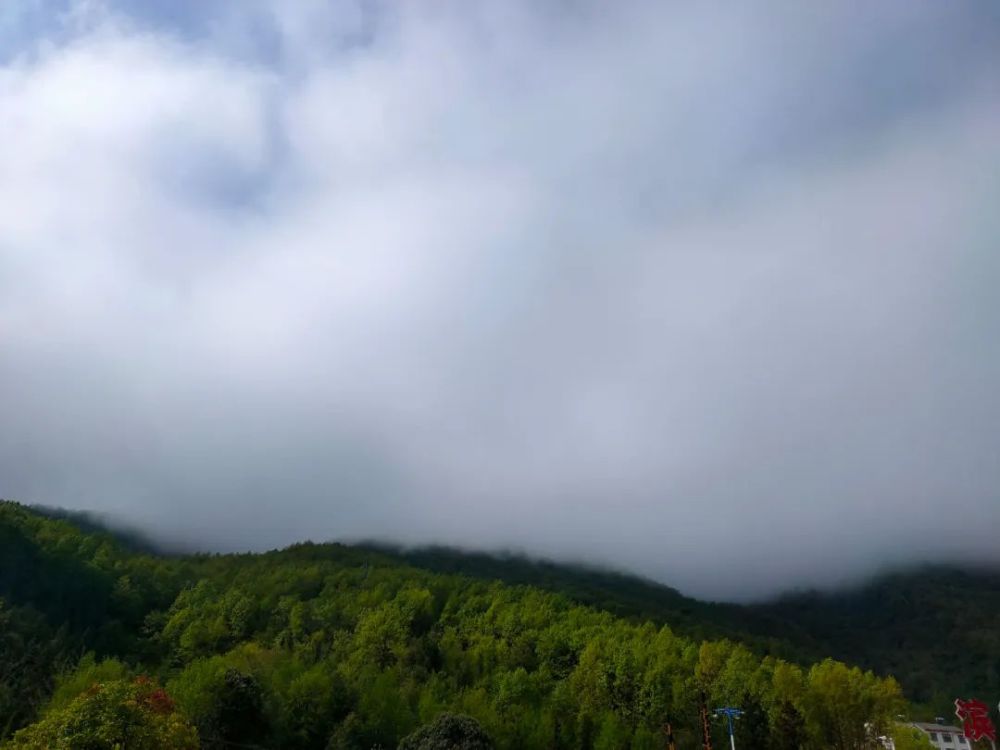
x: 730, y: 714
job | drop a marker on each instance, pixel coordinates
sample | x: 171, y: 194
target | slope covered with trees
x: 327, y: 646
x: 936, y: 628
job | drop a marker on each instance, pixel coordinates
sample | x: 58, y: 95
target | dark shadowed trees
x: 449, y: 732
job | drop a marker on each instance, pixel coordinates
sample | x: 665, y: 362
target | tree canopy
x: 135, y: 714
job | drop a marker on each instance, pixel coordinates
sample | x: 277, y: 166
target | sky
x: 704, y: 291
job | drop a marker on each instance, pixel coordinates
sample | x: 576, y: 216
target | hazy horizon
x: 148, y: 540
x: 702, y: 292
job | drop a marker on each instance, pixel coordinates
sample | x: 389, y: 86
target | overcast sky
x: 704, y: 290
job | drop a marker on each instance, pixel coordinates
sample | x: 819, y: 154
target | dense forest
x: 935, y: 628
x: 332, y: 646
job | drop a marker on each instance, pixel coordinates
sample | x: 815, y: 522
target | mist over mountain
x: 697, y: 291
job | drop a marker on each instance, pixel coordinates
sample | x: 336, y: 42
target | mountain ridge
x: 916, y: 623
x: 95, y: 593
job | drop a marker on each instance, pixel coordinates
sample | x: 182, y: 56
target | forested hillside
x: 937, y: 628
x: 327, y: 646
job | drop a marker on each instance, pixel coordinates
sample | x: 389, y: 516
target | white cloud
x: 670, y: 288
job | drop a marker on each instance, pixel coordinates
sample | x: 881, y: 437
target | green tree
x: 905, y: 737
x: 845, y: 706
x: 788, y: 729
x: 448, y: 732
x: 239, y: 714
x: 89, y: 672
x: 311, y: 706
x: 29, y: 656
x: 134, y: 714
x: 224, y: 699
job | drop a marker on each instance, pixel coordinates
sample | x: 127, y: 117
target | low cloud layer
x: 703, y: 291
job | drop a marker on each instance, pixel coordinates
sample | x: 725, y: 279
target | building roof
x: 931, y: 727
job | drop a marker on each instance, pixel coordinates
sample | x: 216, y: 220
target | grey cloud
x: 699, y: 291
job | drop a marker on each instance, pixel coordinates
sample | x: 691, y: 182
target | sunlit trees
x: 905, y: 737
x: 319, y: 647
x: 844, y: 706
x: 135, y: 714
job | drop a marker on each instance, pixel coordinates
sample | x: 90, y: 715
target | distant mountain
x: 936, y: 628
x: 130, y: 538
